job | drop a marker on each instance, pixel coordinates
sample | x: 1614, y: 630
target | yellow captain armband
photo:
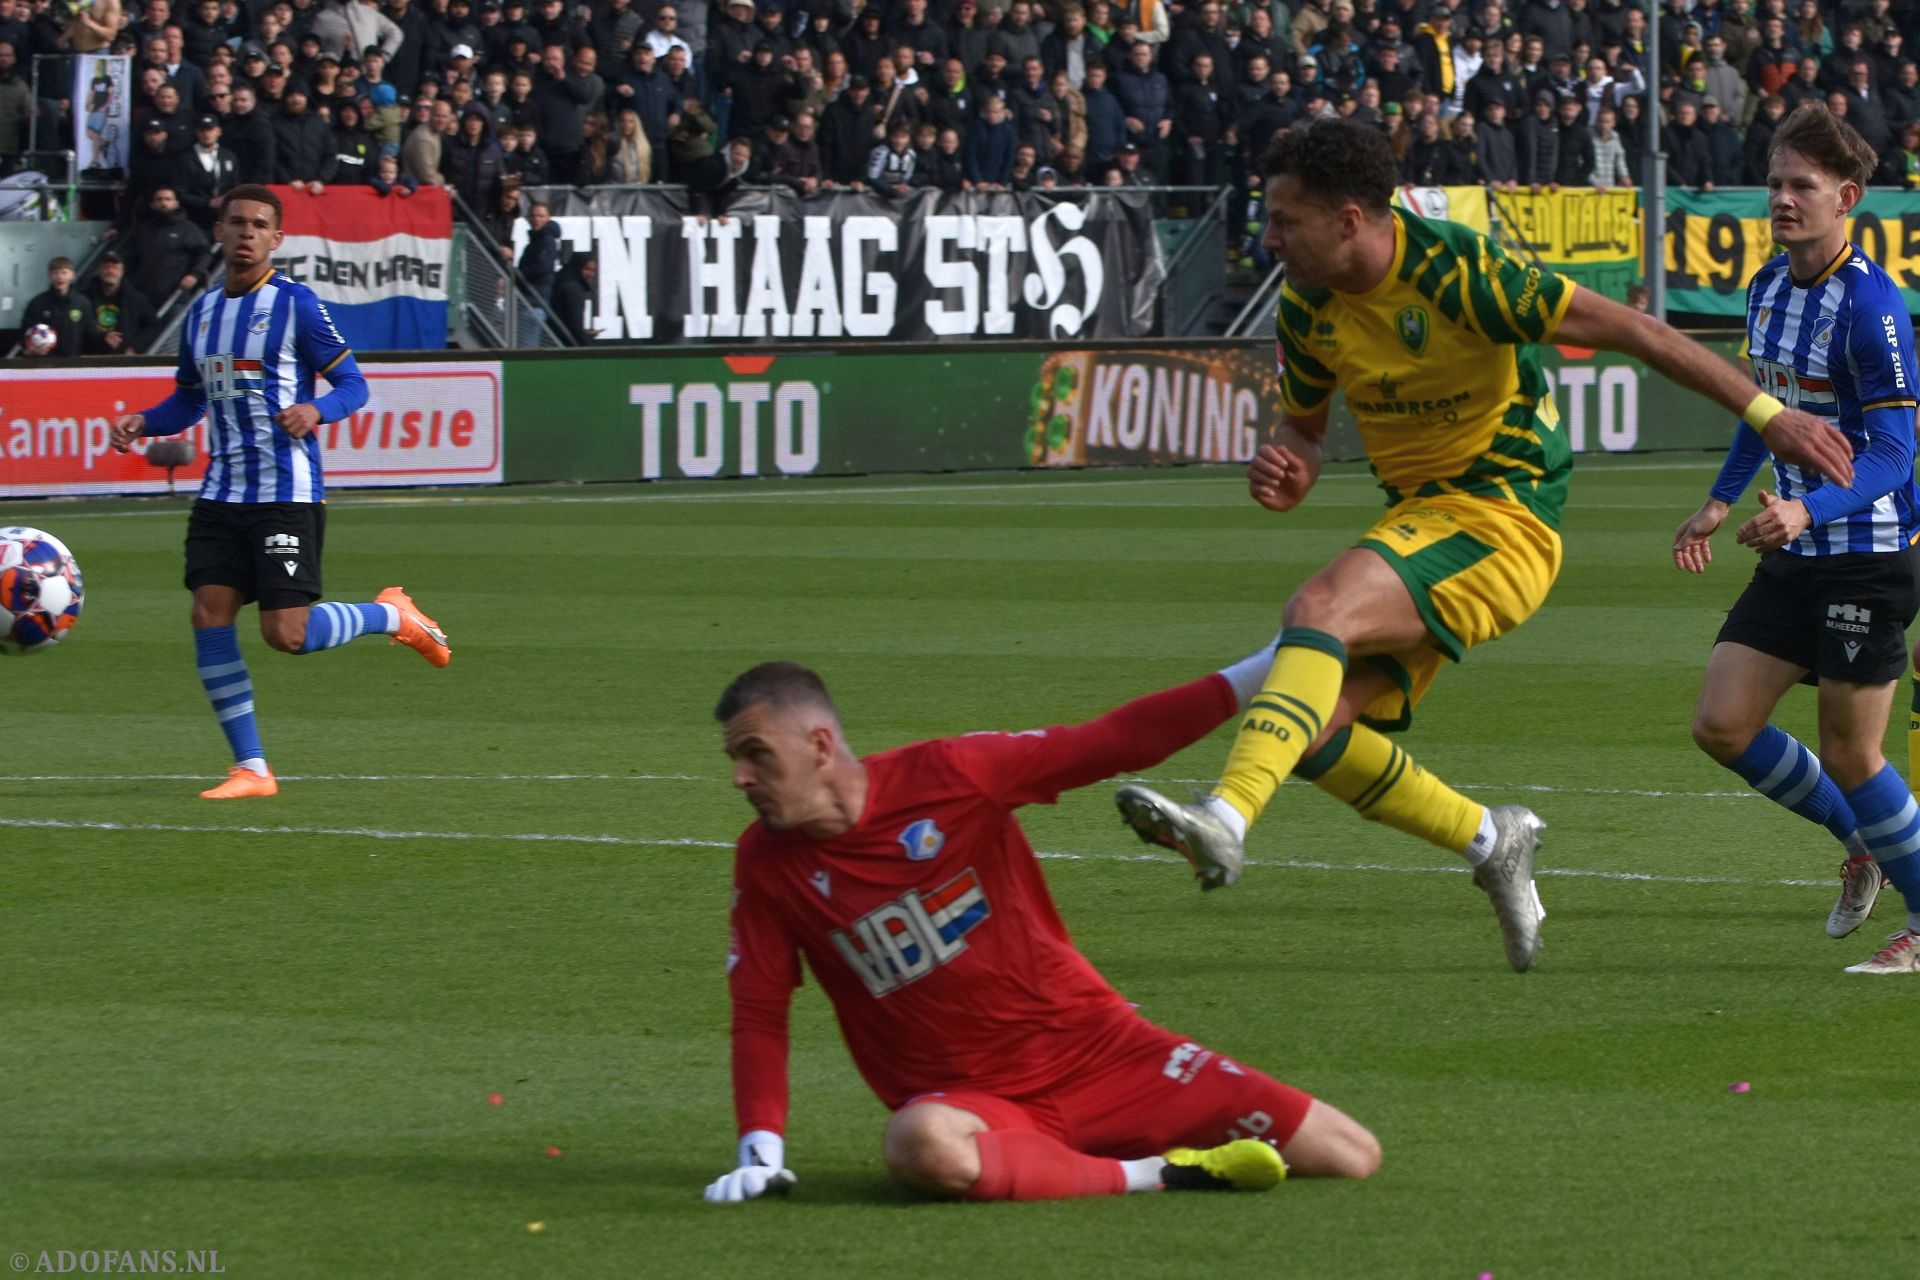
x: 1761, y: 410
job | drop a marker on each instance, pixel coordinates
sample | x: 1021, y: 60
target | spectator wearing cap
x: 1560, y: 80
x: 302, y: 144
x: 796, y: 160
x: 460, y: 68
x: 642, y: 89
x: 472, y: 162
x: 759, y: 87
x: 1537, y: 144
x: 209, y: 170
x: 272, y: 88
x: 564, y: 92
x: 323, y: 77
x: 1126, y: 171
x: 846, y: 133
x: 384, y: 115
x: 990, y: 144
x: 354, y: 149
x: 1468, y: 57
x: 151, y: 166
x: 968, y: 35
x: 1689, y: 163
x: 1724, y: 160
x: 730, y: 41
x: 770, y: 20
x: 867, y: 41
x: 1386, y: 66
x: 123, y: 317
x: 991, y: 78
x: 1433, y: 41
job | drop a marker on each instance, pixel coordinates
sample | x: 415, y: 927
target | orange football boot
x: 242, y: 782
x: 417, y: 631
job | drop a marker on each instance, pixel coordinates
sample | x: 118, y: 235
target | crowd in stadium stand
x: 487, y: 97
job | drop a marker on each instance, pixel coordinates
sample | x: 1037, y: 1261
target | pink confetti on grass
x: 1740, y: 1086
x: 554, y: 1151
x: 494, y: 1099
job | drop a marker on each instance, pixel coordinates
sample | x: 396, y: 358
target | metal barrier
x: 489, y: 303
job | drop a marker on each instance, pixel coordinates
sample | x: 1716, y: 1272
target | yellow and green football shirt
x: 1438, y: 367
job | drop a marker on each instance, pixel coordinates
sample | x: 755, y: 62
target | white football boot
x: 1507, y: 878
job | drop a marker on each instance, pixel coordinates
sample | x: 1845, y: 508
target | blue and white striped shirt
x: 242, y: 360
x: 1839, y: 347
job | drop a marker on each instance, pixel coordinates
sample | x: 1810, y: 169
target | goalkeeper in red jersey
x: 1013, y: 1071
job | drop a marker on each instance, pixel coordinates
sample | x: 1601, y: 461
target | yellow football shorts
x: 1476, y: 568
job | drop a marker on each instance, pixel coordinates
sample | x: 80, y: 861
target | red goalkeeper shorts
x: 1148, y: 1091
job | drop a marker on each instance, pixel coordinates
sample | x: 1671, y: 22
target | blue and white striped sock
x: 1779, y: 767
x: 332, y: 625
x: 1890, y: 824
x: 223, y: 674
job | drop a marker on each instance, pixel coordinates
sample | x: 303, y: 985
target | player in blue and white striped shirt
x: 249, y: 356
x: 1839, y: 576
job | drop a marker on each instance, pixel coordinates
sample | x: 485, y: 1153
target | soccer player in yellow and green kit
x: 1427, y: 327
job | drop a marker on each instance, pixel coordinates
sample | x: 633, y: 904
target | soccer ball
x: 40, y: 590
x: 41, y: 339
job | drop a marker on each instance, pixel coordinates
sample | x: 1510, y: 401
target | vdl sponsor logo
x: 966, y: 257
x: 704, y: 416
x: 908, y: 938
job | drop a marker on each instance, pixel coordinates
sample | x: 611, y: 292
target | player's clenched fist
x: 1278, y: 478
x: 762, y: 1170
x: 126, y: 430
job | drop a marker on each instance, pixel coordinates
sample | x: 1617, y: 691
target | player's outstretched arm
x: 1283, y: 472
x: 762, y: 1171
x: 186, y: 406
x: 1691, y: 550
x: 1794, y: 435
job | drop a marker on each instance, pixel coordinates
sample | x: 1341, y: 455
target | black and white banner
x: 1057, y: 264
x: 101, y: 91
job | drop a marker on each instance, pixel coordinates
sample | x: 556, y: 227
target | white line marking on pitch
x: 1037, y: 485
x: 548, y: 837
x: 1531, y: 788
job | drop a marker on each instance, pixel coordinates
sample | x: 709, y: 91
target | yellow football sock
x: 1913, y: 735
x: 1360, y: 767
x: 1289, y: 712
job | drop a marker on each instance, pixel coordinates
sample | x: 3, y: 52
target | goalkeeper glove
x: 762, y: 1170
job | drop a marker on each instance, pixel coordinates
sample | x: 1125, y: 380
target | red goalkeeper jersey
x: 928, y: 923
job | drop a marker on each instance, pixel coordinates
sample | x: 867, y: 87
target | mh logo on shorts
x: 285, y: 544
x: 1849, y: 617
x: 905, y: 940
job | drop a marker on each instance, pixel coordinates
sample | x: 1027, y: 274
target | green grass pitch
x: 271, y: 1028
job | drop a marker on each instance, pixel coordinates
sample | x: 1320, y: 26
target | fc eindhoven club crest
x: 922, y: 840
x: 1411, y: 325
